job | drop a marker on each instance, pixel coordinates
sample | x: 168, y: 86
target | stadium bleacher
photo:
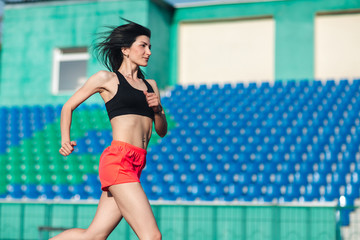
x: 279, y: 142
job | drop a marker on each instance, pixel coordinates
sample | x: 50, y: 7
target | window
x: 69, y: 69
x: 220, y: 52
x: 337, y: 45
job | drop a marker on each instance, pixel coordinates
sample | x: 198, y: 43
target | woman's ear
x: 125, y: 51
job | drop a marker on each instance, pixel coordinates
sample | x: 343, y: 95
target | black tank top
x: 129, y: 100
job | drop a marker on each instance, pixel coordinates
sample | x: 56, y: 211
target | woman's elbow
x: 162, y: 133
x: 68, y: 107
x: 66, y: 110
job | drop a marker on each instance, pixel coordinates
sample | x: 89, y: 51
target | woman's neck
x: 129, y: 70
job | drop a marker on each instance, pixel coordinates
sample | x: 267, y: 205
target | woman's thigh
x: 135, y: 208
x: 107, y: 217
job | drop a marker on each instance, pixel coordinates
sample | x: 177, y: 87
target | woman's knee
x: 158, y: 236
x: 155, y: 236
x: 88, y: 235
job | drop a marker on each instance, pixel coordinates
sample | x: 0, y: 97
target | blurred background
x: 263, y: 105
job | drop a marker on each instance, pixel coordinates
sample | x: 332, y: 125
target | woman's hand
x: 67, y: 148
x: 153, y: 101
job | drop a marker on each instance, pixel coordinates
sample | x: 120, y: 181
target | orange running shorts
x: 121, y: 162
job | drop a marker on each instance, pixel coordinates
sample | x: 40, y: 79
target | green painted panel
x: 258, y: 224
x: 179, y: 221
x: 10, y: 221
x: 170, y: 222
x: 290, y: 229
x: 228, y: 226
x: 200, y: 225
x: 64, y: 215
x: 35, y: 217
x: 85, y: 215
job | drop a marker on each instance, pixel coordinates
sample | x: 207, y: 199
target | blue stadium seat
x: 79, y: 191
x: 16, y: 191
x: 272, y: 192
x: 292, y: 192
x: 64, y: 192
x: 253, y: 192
x: 311, y: 193
x: 331, y: 192
x: 46, y: 191
x: 31, y: 191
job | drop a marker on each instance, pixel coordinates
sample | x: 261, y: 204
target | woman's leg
x: 106, y: 218
x: 136, y: 209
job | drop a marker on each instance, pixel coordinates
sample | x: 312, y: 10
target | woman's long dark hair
x: 108, y: 50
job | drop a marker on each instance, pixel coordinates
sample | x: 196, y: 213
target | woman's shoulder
x: 104, y: 75
x: 101, y: 80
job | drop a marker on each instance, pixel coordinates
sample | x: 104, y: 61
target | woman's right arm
x: 93, y: 85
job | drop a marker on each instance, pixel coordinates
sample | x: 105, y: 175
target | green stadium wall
x: 294, y: 30
x: 21, y: 221
x: 32, y: 31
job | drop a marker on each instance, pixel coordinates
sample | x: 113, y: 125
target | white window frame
x: 62, y: 55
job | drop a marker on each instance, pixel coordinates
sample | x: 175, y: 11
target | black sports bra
x: 129, y: 100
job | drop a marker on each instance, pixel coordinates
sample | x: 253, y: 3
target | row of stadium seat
x: 294, y: 141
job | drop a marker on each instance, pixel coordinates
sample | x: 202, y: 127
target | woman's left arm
x: 153, y: 100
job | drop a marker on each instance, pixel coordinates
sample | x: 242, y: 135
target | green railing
x: 222, y: 221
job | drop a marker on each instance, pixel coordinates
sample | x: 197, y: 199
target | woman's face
x: 139, y: 52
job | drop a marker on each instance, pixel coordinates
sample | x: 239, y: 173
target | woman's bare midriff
x: 133, y: 129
